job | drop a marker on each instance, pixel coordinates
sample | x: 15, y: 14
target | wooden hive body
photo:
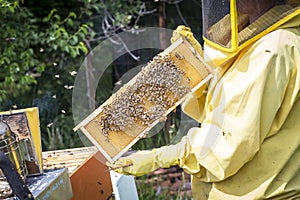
x: 113, y: 138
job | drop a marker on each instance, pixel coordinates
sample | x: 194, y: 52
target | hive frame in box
x: 182, y: 52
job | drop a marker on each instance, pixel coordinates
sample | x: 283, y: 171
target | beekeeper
x: 248, y: 144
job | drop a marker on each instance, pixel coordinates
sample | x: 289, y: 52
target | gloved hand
x: 185, y: 32
x: 141, y: 163
x: 144, y: 162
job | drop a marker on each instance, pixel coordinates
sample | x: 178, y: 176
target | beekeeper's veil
x: 228, y: 27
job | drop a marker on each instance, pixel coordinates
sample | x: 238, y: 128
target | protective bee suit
x: 248, y: 144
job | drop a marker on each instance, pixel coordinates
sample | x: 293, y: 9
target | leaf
x: 66, y: 49
x: 16, y: 3
x: 51, y: 14
x: 73, y: 52
x: 70, y: 22
x: 41, y: 68
x: 74, y: 40
x: 83, y: 47
x: 54, y: 46
x: 96, y: 7
x: 11, y: 9
x: 72, y: 14
x: 84, y: 28
x: 57, y: 17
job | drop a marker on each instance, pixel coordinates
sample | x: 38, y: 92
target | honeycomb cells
x: 155, y: 89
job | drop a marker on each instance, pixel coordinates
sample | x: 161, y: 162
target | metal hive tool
x: 145, y: 100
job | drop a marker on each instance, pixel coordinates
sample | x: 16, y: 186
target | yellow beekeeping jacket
x: 248, y: 144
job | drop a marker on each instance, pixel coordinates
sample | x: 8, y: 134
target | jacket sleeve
x: 242, y: 110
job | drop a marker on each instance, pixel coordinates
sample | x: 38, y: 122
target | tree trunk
x: 90, y: 82
x: 162, y: 24
x: 163, y: 44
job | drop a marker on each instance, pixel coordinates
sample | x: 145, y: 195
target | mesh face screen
x: 213, y: 13
x: 249, y: 20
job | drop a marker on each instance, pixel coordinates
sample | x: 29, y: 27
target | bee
x: 107, y: 139
x: 160, y: 83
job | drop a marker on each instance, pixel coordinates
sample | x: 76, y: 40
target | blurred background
x: 43, y: 43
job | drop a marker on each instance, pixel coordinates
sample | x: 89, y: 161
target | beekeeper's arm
x: 239, y: 114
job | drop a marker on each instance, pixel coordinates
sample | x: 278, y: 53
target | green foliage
x: 110, y: 17
x: 8, y: 6
x: 59, y: 134
x: 124, y: 12
x: 28, y: 45
x: 149, y: 190
x: 57, y: 36
x: 43, y: 43
x: 36, y: 53
x: 146, y: 190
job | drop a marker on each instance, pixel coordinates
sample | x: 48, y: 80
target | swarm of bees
x: 156, y: 89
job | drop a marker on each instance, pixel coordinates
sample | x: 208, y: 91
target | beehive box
x: 145, y: 100
x: 87, y: 172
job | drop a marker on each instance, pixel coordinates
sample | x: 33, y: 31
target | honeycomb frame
x: 163, y: 84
